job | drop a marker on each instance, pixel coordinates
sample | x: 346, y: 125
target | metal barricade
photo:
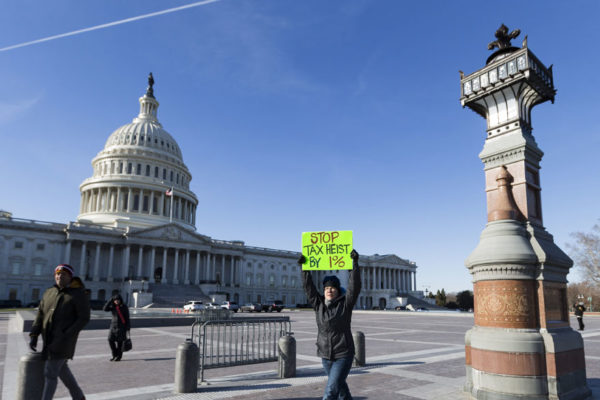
x: 213, y: 314
x: 239, y: 341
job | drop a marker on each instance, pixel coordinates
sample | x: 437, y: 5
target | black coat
x: 334, y: 338
x: 579, y: 310
x: 118, y: 328
x: 61, y: 315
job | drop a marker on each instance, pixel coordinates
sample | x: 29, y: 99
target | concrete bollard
x: 187, y: 363
x: 30, y: 382
x: 359, y: 349
x: 287, y: 357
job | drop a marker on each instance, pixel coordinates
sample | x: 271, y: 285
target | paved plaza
x: 409, y: 356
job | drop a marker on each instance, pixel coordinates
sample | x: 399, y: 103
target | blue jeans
x: 337, y: 371
x: 55, y: 369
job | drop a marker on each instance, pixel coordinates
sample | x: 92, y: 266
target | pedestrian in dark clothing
x: 63, y: 312
x: 579, y: 310
x: 119, y: 326
x: 333, y: 311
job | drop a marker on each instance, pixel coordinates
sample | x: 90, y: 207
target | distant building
x: 135, y: 233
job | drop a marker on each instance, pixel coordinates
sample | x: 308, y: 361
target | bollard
x: 186, y: 367
x: 287, y: 357
x: 30, y: 382
x: 359, y: 349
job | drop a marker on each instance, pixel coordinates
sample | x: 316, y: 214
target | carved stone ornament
x: 171, y: 233
x: 507, y: 304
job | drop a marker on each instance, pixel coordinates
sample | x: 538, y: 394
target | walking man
x: 63, y: 312
x: 579, y: 310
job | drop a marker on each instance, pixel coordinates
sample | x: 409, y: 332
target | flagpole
x: 171, y: 211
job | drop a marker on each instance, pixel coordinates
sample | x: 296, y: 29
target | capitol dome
x: 140, y: 165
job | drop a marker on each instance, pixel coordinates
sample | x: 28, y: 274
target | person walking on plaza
x: 579, y: 310
x: 62, y: 314
x: 333, y: 311
x: 119, y: 326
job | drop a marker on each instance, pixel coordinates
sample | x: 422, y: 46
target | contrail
x: 108, y: 25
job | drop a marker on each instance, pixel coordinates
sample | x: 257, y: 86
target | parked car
x: 230, y: 305
x: 400, y: 308
x: 211, y: 306
x: 193, y: 305
x: 97, y: 304
x: 10, y: 304
x: 251, y: 307
x: 276, y: 305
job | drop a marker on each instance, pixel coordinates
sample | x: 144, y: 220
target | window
x: 284, y: 267
x: 12, y: 294
x: 35, y: 294
x: 272, y: 280
x: 136, y: 202
x: 272, y: 266
x: 258, y: 298
x: 145, y: 206
x: 293, y: 299
x: 177, y: 178
x: 16, y: 267
x: 284, y: 281
x: 164, y: 173
x: 248, y: 280
x: 156, y: 172
x: 125, y: 198
x: 18, y: 245
x: 40, y: 246
x: 121, y: 167
x: 154, y: 205
x: 293, y: 283
x: 37, y: 268
x: 138, y: 170
x: 171, y: 176
x: 147, y: 170
x: 129, y: 168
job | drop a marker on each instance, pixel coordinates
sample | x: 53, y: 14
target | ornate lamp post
x: 521, y: 345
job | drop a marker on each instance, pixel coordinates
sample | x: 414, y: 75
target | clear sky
x: 301, y: 115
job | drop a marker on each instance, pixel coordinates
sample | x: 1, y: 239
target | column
x: 164, y: 266
x: 222, y: 269
x: 129, y: 200
x: 67, y: 253
x: 176, y: 268
x: 161, y: 204
x: 152, y: 261
x: 97, y: 263
x: 231, y: 271
x: 125, y: 266
x: 82, y: 266
x: 111, y: 257
x: 141, y: 202
x: 151, y: 202
x: 108, y: 200
x: 197, y: 277
x: 98, y: 201
x: 118, y: 201
x: 414, y: 287
x: 140, y: 261
x: 187, y: 267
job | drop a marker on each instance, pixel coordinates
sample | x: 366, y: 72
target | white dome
x: 139, y: 163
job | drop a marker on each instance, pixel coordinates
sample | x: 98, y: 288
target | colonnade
x: 131, y: 200
x: 138, y: 261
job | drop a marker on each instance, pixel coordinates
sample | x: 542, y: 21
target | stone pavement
x: 409, y: 356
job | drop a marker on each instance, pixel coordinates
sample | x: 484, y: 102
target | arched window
x: 156, y: 172
x: 147, y: 170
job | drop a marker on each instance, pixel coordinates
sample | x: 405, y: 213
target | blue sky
x: 301, y: 115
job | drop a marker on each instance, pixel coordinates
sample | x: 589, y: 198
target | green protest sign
x: 327, y: 250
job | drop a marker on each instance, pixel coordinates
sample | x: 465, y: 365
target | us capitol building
x: 136, y: 234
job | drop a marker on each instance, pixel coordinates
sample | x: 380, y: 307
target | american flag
x: 169, y: 192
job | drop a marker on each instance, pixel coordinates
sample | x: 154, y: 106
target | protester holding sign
x: 333, y: 312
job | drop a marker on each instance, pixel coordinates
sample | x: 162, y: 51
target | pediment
x: 169, y: 232
x: 390, y: 259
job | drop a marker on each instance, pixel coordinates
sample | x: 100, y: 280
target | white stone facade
x: 127, y: 236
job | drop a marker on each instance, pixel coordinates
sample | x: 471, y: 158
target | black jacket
x: 334, y: 338
x: 118, y: 329
x: 579, y: 310
x: 61, y: 315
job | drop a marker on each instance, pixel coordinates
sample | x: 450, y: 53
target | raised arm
x: 354, y: 282
x: 312, y: 294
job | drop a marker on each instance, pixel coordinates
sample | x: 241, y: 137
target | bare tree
x: 586, y: 254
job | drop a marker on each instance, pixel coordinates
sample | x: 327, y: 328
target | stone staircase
x: 166, y: 295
